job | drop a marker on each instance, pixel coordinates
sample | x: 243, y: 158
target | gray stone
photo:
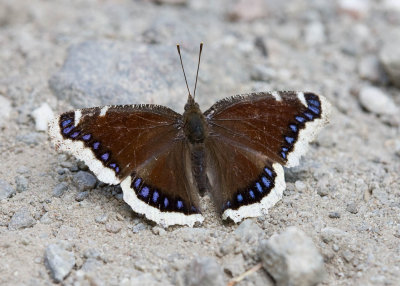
x: 84, y: 180
x: 352, y: 208
x: 30, y: 138
x: 22, y: 218
x: 371, y: 69
x: 113, y: 227
x: 203, y: 271
x: 262, y: 73
x: 143, y: 279
x: 101, y: 218
x: 292, y: 259
x: 21, y: 183
x: 91, y: 264
x: 139, y: 227
x: 329, y: 234
x: 234, y: 266
x: 45, y: 219
x: 375, y: 100
x: 58, y: 261
x: 81, y: 196
x: 300, y: 186
x: 334, y: 215
x: 6, y: 190
x: 59, y: 189
x: 5, y: 110
x: 249, y: 231
x: 99, y: 73
x: 228, y: 245
x: 390, y: 58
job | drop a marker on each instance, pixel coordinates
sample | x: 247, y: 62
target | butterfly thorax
x: 194, y: 123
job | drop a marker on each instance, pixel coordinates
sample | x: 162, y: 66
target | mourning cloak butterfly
x: 163, y: 160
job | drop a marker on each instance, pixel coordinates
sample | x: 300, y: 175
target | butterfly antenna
x: 197, y: 73
x: 180, y: 57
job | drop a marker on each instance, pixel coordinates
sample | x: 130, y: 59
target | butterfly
x: 164, y: 160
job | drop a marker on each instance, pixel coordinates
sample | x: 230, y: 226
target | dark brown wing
x: 252, y: 136
x: 120, y: 143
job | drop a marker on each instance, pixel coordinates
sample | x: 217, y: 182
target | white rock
x: 371, y: 69
x: 42, y: 115
x: 5, y: 110
x: 315, y: 34
x: 292, y: 259
x: 376, y: 101
x: 356, y: 8
x: 392, y: 5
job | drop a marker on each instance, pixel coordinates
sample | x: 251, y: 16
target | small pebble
x: 113, y: 227
x: 42, y: 116
x: 158, y: 231
x: 390, y: 59
x: 6, y: 190
x: 348, y: 255
x: 101, y: 218
x: 59, y: 189
x: 334, y: 215
x: 81, y: 196
x: 203, y: 271
x: 375, y: 100
x: 58, y: 261
x: 45, y: 219
x: 5, y: 110
x: 352, y: 208
x: 300, y: 186
x: 22, y: 218
x: 84, y: 180
x: 21, y: 183
x: 335, y: 247
x: 139, y: 227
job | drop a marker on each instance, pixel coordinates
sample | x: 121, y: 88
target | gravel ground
x: 341, y: 209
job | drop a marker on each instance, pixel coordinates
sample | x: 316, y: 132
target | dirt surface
x: 345, y: 194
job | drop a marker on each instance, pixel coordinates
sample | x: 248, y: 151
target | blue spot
x: 284, y: 149
x: 289, y: 140
x: 228, y: 204
x: 308, y: 115
x: 113, y: 165
x: 268, y: 171
x: 252, y: 194
x: 313, y: 102
x: 105, y: 156
x: 179, y: 204
x: 283, y: 155
x: 145, y: 192
x: 193, y: 209
x: 314, y: 109
x: 300, y: 119
x: 259, y: 188
x: 239, y: 198
x: 96, y: 145
x: 137, y: 183
x: 75, y: 134
x: 66, y: 122
x: 166, y: 202
x: 155, y: 196
x: 117, y: 169
x: 68, y: 129
x: 86, y: 137
x: 293, y: 127
x: 266, y: 182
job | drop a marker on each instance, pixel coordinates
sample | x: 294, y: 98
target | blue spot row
x: 255, y: 192
x: 155, y: 198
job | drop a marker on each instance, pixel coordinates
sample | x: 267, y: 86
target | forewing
x: 279, y: 124
x: 115, y: 140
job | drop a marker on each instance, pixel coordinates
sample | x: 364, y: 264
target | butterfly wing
x: 121, y: 144
x: 253, y: 135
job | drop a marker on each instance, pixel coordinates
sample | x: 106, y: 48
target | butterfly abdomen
x: 197, y: 156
